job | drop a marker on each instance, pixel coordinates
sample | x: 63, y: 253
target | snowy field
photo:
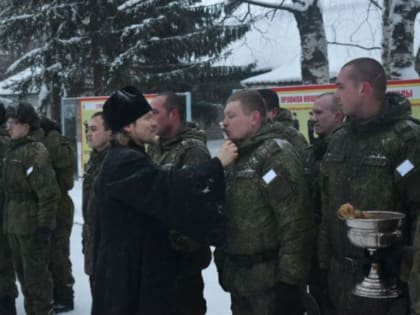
x: 218, y: 302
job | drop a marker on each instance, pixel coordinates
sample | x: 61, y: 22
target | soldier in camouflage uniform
x: 180, y: 146
x: 266, y: 256
x: 327, y: 116
x: 32, y: 195
x: 61, y: 153
x: 414, y: 279
x: 98, y: 137
x: 8, y: 289
x: 280, y: 117
x: 372, y: 162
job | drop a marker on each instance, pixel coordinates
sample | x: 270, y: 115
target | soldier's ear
x: 366, y: 88
x: 174, y: 113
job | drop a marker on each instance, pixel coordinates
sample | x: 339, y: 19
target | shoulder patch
x: 406, y: 129
x: 281, y: 142
x: 35, y: 153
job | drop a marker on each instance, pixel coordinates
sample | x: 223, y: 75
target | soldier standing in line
x: 285, y: 130
x: 266, y: 255
x: 32, y: 195
x: 180, y: 146
x: 61, y: 153
x: 327, y: 116
x: 8, y: 289
x: 372, y: 162
x: 98, y: 137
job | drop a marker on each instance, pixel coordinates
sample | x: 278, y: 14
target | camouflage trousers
x: 31, y: 259
x: 60, y: 263
x: 7, y: 270
x: 341, y: 281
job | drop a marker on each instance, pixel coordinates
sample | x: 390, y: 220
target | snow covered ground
x: 218, y: 301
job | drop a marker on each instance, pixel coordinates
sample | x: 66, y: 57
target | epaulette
x: 407, y: 129
x: 191, y: 142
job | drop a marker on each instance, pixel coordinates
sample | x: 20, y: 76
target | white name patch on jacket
x: 269, y: 176
x: 405, y: 167
x: 29, y: 170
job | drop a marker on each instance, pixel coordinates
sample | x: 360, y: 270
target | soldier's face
x: 97, y: 137
x: 143, y: 130
x: 16, y: 129
x: 237, y: 124
x: 162, y: 116
x: 349, y: 93
x: 325, y: 120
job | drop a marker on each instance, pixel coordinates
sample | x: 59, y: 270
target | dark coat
x: 135, y: 264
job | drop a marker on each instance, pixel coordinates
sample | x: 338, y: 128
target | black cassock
x: 137, y: 204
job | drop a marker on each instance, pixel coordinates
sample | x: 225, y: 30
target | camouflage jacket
x: 269, y: 226
x: 374, y: 165
x: 31, y: 189
x: 92, y: 169
x: 312, y: 159
x: 61, y: 153
x: 4, y: 142
x: 188, y: 148
x: 89, y: 208
x: 292, y: 135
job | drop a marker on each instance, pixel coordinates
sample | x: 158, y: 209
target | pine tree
x: 45, y: 34
x: 164, y: 44
x: 100, y: 45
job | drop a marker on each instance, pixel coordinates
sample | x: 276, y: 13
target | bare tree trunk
x: 386, y: 37
x: 402, y: 16
x: 313, y: 42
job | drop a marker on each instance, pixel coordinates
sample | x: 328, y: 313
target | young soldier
x: 98, y: 138
x: 266, y: 255
x: 62, y: 155
x: 32, y: 195
x: 8, y: 289
x: 327, y: 116
x: 362, y: 166
x: 181, y: 146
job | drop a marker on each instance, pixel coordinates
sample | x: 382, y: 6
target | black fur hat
x: 124, y: 107
x: 24, y: 113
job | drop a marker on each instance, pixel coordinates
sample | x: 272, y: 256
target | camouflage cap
x: 24, y: 113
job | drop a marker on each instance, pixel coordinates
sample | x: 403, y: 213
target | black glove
x: 43, y: 235
x: 289, y: 299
